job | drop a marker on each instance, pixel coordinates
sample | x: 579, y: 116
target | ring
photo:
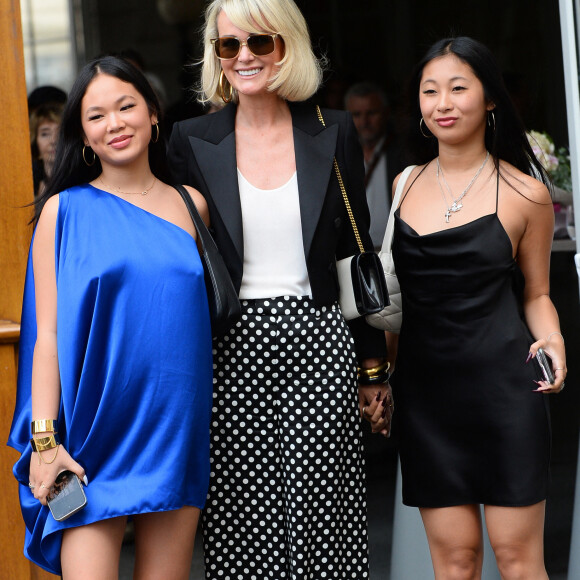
x: 30, y: 485
x: 364, y: 411
x: 559, y: 369
x: 42, y: 486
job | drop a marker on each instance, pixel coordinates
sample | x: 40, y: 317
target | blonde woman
x: 287, y: 491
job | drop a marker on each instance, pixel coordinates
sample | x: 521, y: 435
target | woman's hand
x: 376, y: 406
x: 553, y: 346
x: 43, y: 475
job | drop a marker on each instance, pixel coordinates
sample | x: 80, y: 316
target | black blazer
x: 202, y: 153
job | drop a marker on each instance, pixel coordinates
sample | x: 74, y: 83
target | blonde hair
x: 300, y: 73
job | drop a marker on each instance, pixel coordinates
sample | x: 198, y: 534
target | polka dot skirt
x: 287, y: 489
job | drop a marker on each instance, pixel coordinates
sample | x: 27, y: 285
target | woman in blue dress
x: 115, y: 366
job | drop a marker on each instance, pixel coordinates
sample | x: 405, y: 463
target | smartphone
x: 66, y: 496
x: 545, y: 367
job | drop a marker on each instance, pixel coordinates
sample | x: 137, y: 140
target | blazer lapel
x: 314, y: 148
x: 216, y: 155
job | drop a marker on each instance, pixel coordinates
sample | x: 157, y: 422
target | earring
x: 85, y: 158
x: 421, y: 123
x: 157, y: 136
x: 492, y: 119
x: 226, y: 98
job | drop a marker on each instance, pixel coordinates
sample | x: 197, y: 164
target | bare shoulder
x: 528, y: 187
x: 51, y: 205
x: 44, y: 234
x: 48, y: 215
x: 417, y: 169
x: 200, y: 203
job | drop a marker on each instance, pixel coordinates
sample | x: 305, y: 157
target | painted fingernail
x: 384, y: 413
x: 529, y: 357
x: 378, y: 397
x: 86, y: 480
x: 385, y: 401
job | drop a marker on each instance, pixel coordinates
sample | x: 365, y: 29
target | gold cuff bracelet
x: 43, y: 426
x: 45, y: 443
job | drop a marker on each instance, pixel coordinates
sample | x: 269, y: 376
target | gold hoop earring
x: 157, y: 136
x: 421, y: 123
x: 226, y: 97
x: 491, y: 114
x: 85, y: 158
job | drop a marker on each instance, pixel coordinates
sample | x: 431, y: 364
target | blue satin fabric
x: 134, y: 352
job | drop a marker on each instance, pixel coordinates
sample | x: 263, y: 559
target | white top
x: 274, y: 261
x: 378, y: 196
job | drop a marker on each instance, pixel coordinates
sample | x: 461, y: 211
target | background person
x: 287, y: 493
x: 472, y: 244
x: 45, y: 95
x: 44, y: 125
x: 115, y: 352
x: 369, y: 107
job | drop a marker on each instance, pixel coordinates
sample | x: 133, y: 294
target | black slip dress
x: 470, y: 427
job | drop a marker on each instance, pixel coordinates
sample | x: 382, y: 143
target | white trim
x: 569, y: 24
x: 570, y: 61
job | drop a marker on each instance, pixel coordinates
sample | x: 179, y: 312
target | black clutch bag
x: 224, y: 304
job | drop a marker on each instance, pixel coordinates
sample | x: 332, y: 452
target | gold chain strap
x: 343, y: 191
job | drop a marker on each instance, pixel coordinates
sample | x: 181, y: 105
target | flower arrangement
x: 555, y: 161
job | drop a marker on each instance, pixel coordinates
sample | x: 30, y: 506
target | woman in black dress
x: 472, y: 244
x: 287, y: 491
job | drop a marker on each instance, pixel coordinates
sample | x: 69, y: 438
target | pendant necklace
x: 456, y: 205
x: 144, y: 192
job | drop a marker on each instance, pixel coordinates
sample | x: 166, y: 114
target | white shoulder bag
x: 391, y: 317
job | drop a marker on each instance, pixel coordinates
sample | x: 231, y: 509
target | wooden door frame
x: 16, y: 192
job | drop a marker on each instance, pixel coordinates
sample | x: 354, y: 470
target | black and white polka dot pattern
x: 287, y: 489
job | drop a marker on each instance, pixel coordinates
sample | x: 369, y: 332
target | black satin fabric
x: 471, y: 429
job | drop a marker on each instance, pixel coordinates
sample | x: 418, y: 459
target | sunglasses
x: 228, y: 47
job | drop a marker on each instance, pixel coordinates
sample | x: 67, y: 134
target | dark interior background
x: 381, y: 40
x: 365, y: 39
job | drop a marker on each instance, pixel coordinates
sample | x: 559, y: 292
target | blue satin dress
x: 134, y: 353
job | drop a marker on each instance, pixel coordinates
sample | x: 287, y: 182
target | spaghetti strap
x: 497, y: 191
x: 412, y: 183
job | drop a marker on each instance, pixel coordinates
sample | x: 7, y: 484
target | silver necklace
x: 144, y: 192
x: 456, y: 205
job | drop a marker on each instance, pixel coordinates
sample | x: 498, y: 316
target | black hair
x: 44, y: 95
x: 69, y: 168
x: 505, y: 135
x: 364, y: 89
x: 133, y: 57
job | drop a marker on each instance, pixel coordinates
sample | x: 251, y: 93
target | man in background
x: 369, y: 108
